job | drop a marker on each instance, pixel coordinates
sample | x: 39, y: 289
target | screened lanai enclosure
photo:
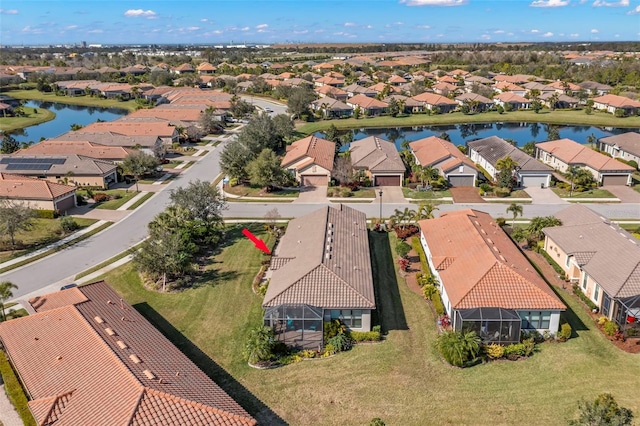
x: 493, y: 325
x: 296, y: 325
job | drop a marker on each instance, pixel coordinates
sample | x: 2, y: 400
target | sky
x: 27, y: 22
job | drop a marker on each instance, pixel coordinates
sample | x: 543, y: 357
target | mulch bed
x: 466, y: 195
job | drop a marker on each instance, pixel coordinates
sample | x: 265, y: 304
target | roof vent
x: 122, y: 344
x: 134, y: 358
x: 149, y: 374
x: 98, y: 319
x: 502, y: 258
x: 328, y: 247
x: 327, y: 256
x: 58, y: 358
x: 329, y: 239
x: 110, y: 331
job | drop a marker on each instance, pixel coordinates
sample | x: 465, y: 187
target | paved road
x: 276, y: 107
x: 110, y: 242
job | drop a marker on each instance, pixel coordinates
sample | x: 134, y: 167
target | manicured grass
x: 43, y: 232
x: 551, y: 117
x: 172, y: 164
x: 425, y: 195
x: 107, y: 262
x: 257, y: 191
x: 517, y: 193
x: 14, y: 391
x: 32, y: 118
x: 138, y: 203
x: 116, y: 203
x: 360, y: 193
x: 592, y: 193
x: 72, y: 100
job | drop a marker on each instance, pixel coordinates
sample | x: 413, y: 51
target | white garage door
x: 532, y: 180
x: 315, y: 180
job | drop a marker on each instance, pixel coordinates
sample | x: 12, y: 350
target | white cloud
x: 137, y: 13
x: 535, y: 31
x: 510, y: 34
x: 595, y: 31
x: 349, y: 24
x: 549, y: 3
x: 245, y: 29
x: 547, y: 34
x: 604, y: 3
x: 369, y: 27
x: 398, y: 23
x: 192, y: 28
x: 70, y: 27
x: 95, y: 31
x: 498, y: 32
x: 204, y: 20
x: 634, y: 11
x: 262, y: 26
x: 434, y: 2
x: 217, y: 31
x: 574, y: 35
x: 301, y: 32
x: 424, y: 27
x: 485, y: 37
x: 8, y: 11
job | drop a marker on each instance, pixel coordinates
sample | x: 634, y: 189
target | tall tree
x: 9, y: 144
x: 516, y: 210
x: 299, y: 100
x: 5, y: 294
x: 15, y: 216
x: 209, y: 121
x: 265, y: 170
x: 138, y: 164
x: 506, y: 172
x: 205, y: 204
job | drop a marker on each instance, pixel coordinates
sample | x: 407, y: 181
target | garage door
x: 387, y: 181
x: 66, y: 204
x: 533, y: 181
x: 315, y: 180
x: 461, y: 180
x: 615, y: 179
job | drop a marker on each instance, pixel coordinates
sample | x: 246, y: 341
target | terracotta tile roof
x: 511, y: 98
x: 375, y: 154
x: 508, y: 87
x: 474, y: 97
x: 336, y: 277
x: 628, y: 142
x: 17, y: 187
x: 161, y: 128
x: 494, y: 148
x: 433, y: 150
x: 356, y: 88
x: 434, y: 99
x: 169, y: 114
x: 77, y: 373
x: 366, y: 102
x: 110, y: 139
x: 332, y: 104
x: 83, y: 148
x: 481, y: 267
x: 609, y: 254
x: 573, y: 153
x: 396, y: 79
x: 320, y: 151
x: 330, y: 90
x: 71, y: 296
x: 617, y: 101
x: 559, y: 85
x: 591, y: 85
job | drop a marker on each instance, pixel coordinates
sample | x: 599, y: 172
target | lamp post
x: 380, y: 194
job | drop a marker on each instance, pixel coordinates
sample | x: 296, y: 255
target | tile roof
x: 18, y: 187
x: 511, y: 98
x: 609, y: 254
x: 78, y: 165
x: 376, y: 154
x: 628, y: 142
x: 573, y: 153
x: 75, y: 364
x: 110, y: 139
x: 170, y: 114
x: 128, y: 128
x: 434, y: 99
x: 474, y: 97
x: 481, y: 267
x: 617, y: 101
x: 433, y: 150
x: 320, y: 151
x: 327, y: 262
x: 494, y: 148
x: 79, y: 147
x: 332, y: 104
x: 364, y: 101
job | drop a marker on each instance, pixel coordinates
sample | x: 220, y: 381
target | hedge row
x: 417, y: 247
x: 14, y: 391
x: 578, y: 292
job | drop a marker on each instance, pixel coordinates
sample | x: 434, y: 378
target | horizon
x: 42, y: 23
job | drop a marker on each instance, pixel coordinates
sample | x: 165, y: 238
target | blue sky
x: 348, y: 21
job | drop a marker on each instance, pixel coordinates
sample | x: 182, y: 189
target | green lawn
x: 43, y: 232
x: 32, y: 118
x: 116, y: 203
x: 73, y: 100
x: 402, y: 380
x: 258, y: 191
x: 592, y: 193
x: 546, y: 116
x: 360, y: 193
x: 425, y: 195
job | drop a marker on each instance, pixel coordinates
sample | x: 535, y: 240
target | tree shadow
x: 389, y: 309
x: 254, y: 406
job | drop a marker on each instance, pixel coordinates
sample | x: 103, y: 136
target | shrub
x: 99, y: 197
x: 514, y: 351
x: 417, y: 247
x: 602, y: 320
x: 377, y: 422
x: 486, y: 187
x: 46, y: 214
x: 631, y: 332
x: 429, y: 291
x: 376, y: 328
x: 528, y: 346
x: 603, y: 411
x: 402, y: 248
x: 502, y: 192
x: 403, y: 264
x: 260, y: 344
x: 14, y: 391
x: 565, y: 332
x: 365, y: 336
x: 333, y: 328
x: 583, y: 297
x: 494, y: 351
x: 501, y: 221
x: 437, y: 303
x: 341, y: 342
x: 610, y: 328
x: 552, y: 262
x: 80, y: 200
x: 457, y: 347
x: 68, y: 224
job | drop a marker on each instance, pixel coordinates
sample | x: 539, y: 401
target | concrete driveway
x: 390, y: 195
x: 312, y: 195
x: 624, y: 193
x: 544, y: 196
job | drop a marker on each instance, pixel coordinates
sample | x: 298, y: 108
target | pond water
x: 66, y: 115
x: 461, y: 133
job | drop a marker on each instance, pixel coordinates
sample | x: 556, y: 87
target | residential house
x: 86, y: 339
x: 562, y: 101
x: 564, y: 153
x: 436, y: 103
x: 625, y: 146
x: 331, y: 108
x: 477, y: 103
x: 332, y: 92
x: 515, y: 79
x: 328, y: 80
x: 446, y: 158
x: 487, y: 152
x: 470, y: 80
x: 615, y: 103
x: 161, y: 129
x: 541, y: 88
x: 320, y: 271
x: 565, y: 87
x: 506, y: 87
x: 185, y: 68
x: 356, y: 89
x: 36, y: 193
x: 368, y: 106
x: 601, y: 258
x: 487, y: 285
x: 68, y: 168
x: 379, y: 159
x: 409, y: 105
x: 595, y: 88
x: 115, y: 154
x: 205, y: 68
x: 310, y: 160
x: 396, y: 80
x: 444, y: 88
x: 515, y: 101
x: 152, y: 145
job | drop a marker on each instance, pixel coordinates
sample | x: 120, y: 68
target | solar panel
x: 28, y: 166
x: 19, y: 160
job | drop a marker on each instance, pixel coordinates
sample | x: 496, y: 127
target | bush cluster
x: 417, y: 247
x: 578, y: 292
x: 46, y: 214
x: 99, y: 197
x: 365, y: 336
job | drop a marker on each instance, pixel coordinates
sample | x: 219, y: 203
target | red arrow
x: 260, y: 245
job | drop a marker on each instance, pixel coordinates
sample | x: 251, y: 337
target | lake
x: 461, y: 133
x: 66, y: 115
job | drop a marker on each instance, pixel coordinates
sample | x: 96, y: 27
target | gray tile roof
x: 377, y: 155
x: 628, y: 142
x: 323, y: 260
x: 494, y: 148
x: 78, y: 165
x: 609, y: 254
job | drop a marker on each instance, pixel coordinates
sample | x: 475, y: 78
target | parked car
x: 68, y: 286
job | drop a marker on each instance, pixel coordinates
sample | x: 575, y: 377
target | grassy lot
x: 551, y: 117
x: 138, y: 203
x: 116, y: 203
x: 592, y: 193
x: 42, y: 233
x: 73, y: 100
x: 401, y: 380
x: 517, y: 193
x: 425, y: 195
x: 172, y: 164
x: 336, y: 192
x: 32, y: 118
x: 258, y: 191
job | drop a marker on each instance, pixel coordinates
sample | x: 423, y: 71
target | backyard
x: 402, y: 380
x: 73, y: 100
x: 32, y: 116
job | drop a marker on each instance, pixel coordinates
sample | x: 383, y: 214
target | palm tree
x: 5, y: 294
x: 572, y: 171
x: 425, y: 211
x: 553, y: 101
x: 403, y: 217
x: 591, y: 140
x: 516, y: 210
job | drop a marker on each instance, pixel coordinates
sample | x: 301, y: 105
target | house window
x: 596, y: 293
x: 584, y: 281
x: 352, y: 318
x: 567, y: 262
x: 538, y: 320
